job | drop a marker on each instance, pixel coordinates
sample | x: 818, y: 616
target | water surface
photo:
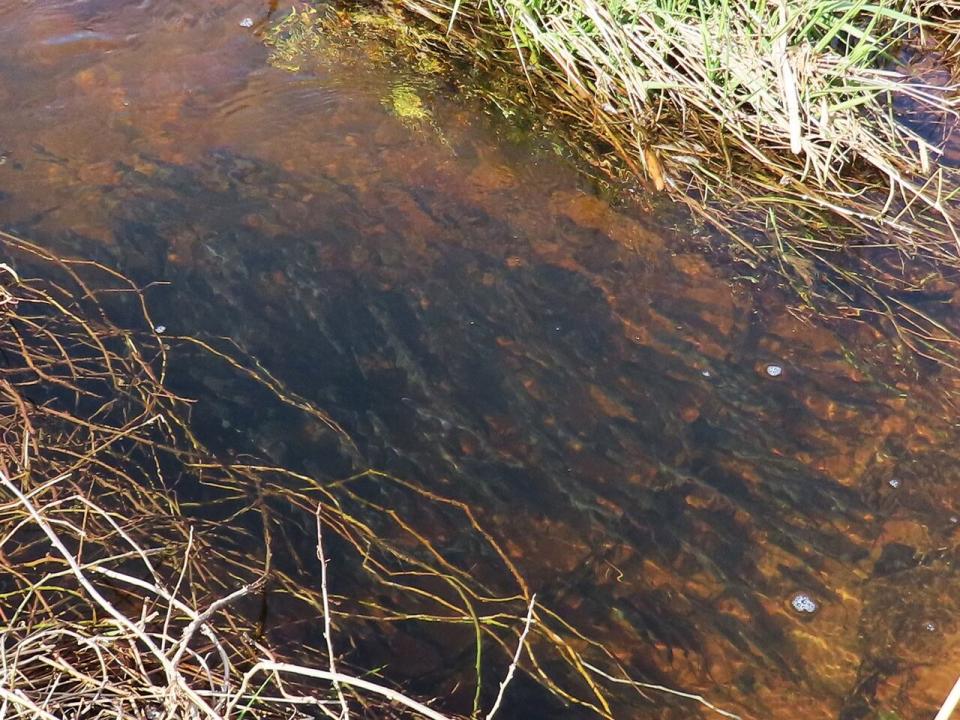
x: 480, y: 320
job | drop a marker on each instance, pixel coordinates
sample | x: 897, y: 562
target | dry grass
x: 120, y: 598
x: 798, y: 93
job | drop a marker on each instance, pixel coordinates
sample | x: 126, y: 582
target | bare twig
x: 327, y: 625
x: 950, y: 704
x: 516, y: 658
x: 664, y: 689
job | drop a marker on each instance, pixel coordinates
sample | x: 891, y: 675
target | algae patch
x: 294, y: 39
x: 407, y: 105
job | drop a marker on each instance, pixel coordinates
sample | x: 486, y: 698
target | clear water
x: 481, y: 321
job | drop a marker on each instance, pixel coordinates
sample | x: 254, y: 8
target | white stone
x: 803, y: 603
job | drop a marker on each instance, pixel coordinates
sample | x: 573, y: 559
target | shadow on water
x: 669, y: 456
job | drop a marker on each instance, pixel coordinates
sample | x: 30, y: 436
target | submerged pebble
x: 774, y: 370
x: 803, y: 603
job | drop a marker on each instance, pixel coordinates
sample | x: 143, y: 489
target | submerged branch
x: 117, y: 602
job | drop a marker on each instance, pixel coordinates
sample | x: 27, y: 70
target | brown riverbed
x: 668, y: 446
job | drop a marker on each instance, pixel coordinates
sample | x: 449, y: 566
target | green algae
x: 407, y: 106
x: 295, y: 38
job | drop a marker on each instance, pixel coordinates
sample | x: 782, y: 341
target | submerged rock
x: 895, y: 557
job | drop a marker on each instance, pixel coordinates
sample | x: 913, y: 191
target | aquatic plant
x: 295, y: 38
x: 405, y: 103
x: 692, y: 92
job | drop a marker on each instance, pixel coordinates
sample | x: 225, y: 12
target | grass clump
x: 688, y: 92
x: 803, y: 130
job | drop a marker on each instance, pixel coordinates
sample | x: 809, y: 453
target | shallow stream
x: 738, y: 499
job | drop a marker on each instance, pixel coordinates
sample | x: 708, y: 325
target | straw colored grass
x: 755, y: 98
x: 808, y: 77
